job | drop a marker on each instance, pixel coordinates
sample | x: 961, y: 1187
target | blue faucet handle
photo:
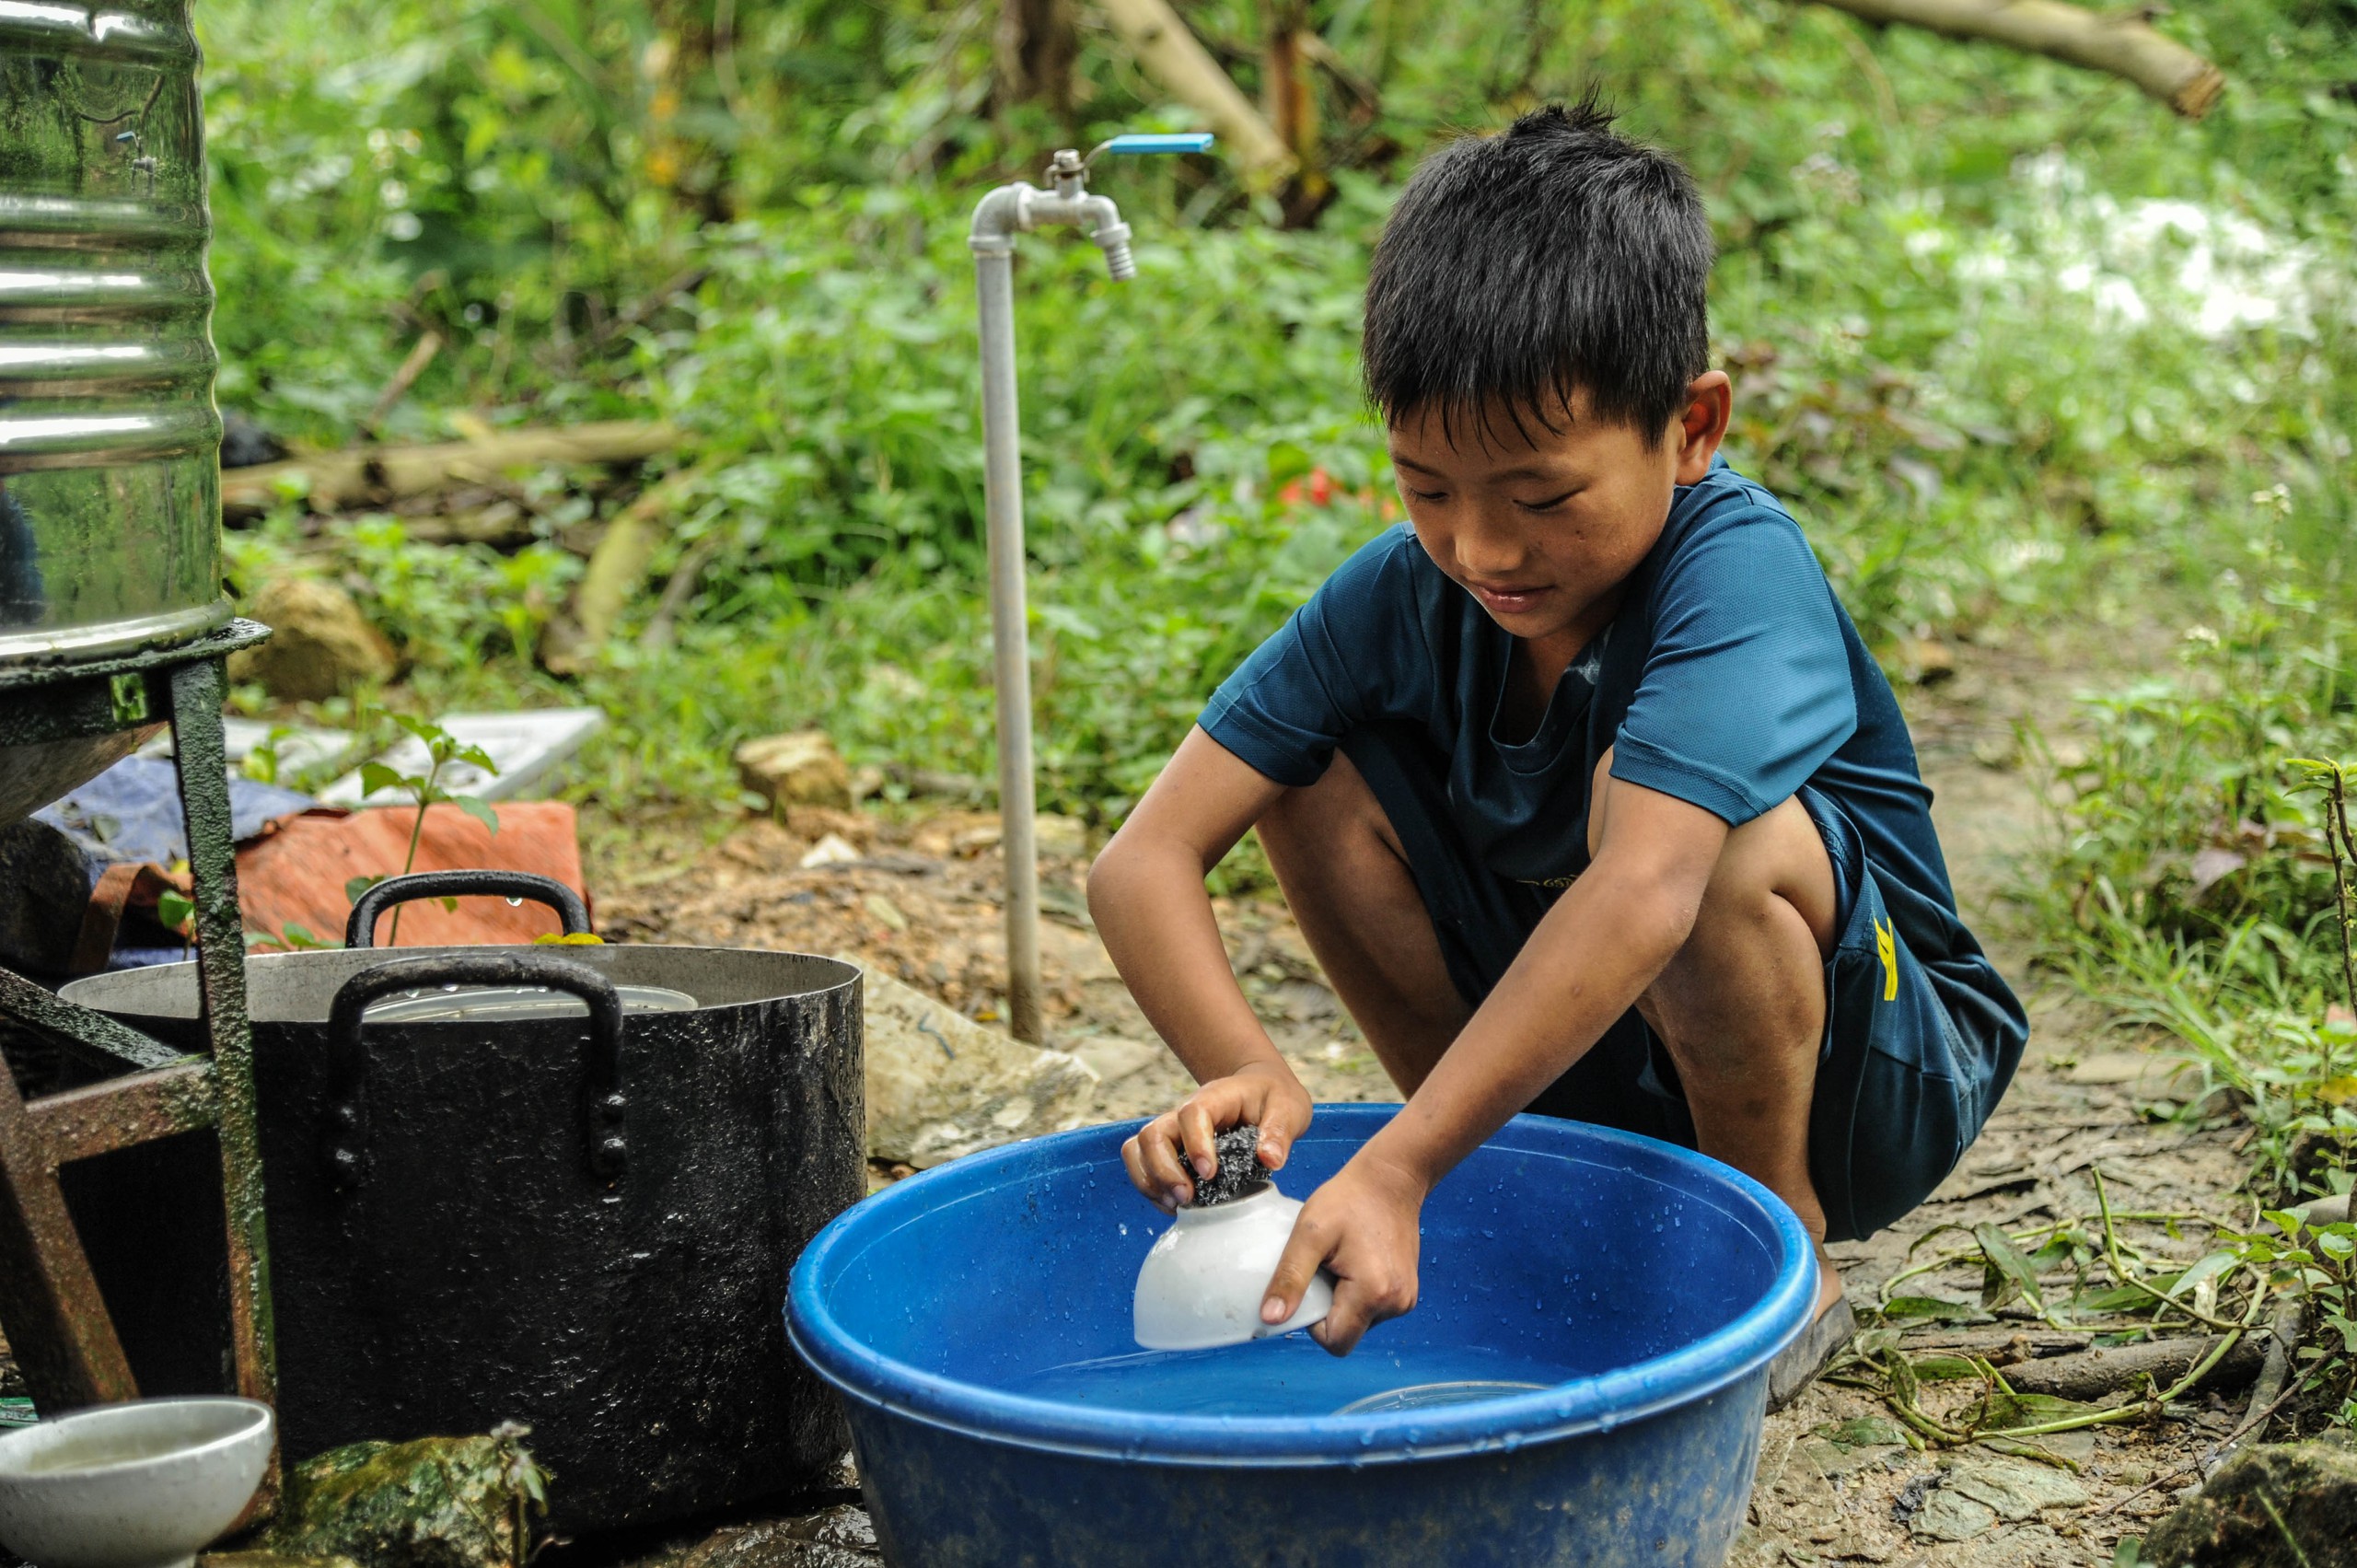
x: 1155, y: 142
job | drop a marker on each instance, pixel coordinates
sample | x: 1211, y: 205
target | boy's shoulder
x: 1728, y: 533
x: 1390, y: 570
x: 1722, y: 501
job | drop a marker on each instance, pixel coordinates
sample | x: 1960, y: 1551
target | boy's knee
x: 1775, y: 861
x: 1778, y: 856
x: 1753, y: 964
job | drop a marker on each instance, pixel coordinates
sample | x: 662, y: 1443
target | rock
x: 1113, y: 1058
x: 1835, y: 1460
x: 2324, y: 1211
x: 2272, y: 1505
x: 1950, y: 1516
x: 968, y: 834
x: 2147, y: 1073
x: 832, y: 850
x: 319, y: 643
x: 1061, y: 838
x: 799, y: 769
x: 1863, y: 1432
x: 2014, y: 1488
x: 433, y: 1503
x: 1927, y: 660
x: 940, y: 1085
x: 840, y: 1537
x: 245, y: 444
x: 1970, y: 1498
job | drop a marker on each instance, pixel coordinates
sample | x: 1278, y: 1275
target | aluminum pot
x: 584, y: 1223
x: 109, y: 473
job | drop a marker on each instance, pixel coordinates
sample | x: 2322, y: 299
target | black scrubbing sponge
x: 1240, y: 1173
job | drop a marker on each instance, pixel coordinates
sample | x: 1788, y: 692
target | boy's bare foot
x: 1800, y: 1364
x: 1829, y: 1281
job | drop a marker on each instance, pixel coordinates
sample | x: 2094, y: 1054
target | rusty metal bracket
x: 197, y: 692
x: 57, y: 1326
x: 56, y: 1323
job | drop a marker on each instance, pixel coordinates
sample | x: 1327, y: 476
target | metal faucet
x: 1010, y: 209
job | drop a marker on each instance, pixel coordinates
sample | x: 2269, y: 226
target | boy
x: 1581, y: 786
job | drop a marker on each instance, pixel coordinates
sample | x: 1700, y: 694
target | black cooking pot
x: 579, y: 1214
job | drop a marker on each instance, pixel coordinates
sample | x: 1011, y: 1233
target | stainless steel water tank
x: 110, y: 469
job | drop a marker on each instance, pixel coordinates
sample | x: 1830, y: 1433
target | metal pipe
x: 998, y: 218
x: 1010, y: 656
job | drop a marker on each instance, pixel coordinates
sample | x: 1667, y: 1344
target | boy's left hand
x: 1362, y: 1227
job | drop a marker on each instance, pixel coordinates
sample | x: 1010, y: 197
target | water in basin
x: 1293, y: 1375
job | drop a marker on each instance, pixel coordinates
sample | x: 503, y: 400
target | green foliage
x: 2009, y: 338
x: 423, y: 790
x: 2320, y: 1263
x: 432, y: 1502
x: 2195, y: 886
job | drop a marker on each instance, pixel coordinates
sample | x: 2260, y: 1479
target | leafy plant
x: 424, y: 791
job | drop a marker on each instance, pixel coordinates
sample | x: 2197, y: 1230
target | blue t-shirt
x: 1730, y: 677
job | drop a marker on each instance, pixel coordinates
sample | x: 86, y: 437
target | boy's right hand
x: 1169, y: 1152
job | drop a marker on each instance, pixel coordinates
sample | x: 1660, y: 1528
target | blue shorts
x: 1916, y: 1050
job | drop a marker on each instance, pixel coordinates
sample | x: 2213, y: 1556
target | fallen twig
x: 421, y: 355
x: 2089, y: 1375
x: 2282, y: 1338
x: 2119, y: 44
x: 2128, y: 1277
x: 571, y: 642
x: 685, y: 282
x: 333, y: 480
x: 2216, y: 1451
x: 679, y: 590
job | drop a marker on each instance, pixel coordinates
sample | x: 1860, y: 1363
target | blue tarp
x: 133, y: 812
x: 130, y: 815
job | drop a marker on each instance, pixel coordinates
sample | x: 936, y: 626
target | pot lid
x: 511, y: 1003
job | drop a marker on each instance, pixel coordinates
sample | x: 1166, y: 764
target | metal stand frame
x: 49, y: 1308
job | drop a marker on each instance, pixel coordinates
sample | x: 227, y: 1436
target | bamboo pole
x: 2120, y: 46
x: 1166, y: 52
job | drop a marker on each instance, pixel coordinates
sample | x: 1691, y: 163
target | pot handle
x: 348, y: 1128
x: 360, y: 931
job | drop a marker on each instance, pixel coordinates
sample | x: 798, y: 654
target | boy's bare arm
x: 1146, y: 894
x: 1607, y: 938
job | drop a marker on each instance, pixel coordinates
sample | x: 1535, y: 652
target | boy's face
x: 1542, y: 526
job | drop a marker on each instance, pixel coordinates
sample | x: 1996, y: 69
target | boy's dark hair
x: 1518, y: 267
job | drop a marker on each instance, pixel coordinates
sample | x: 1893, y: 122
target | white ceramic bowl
x: 1204, y: 1281
x: 146, y: 1484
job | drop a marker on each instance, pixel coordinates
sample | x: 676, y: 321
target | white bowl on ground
x: 1202, y: 1283
x: 146, y: 1484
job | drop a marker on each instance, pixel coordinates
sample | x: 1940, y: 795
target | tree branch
x: 1174, y: 58
x: 2121, y: 46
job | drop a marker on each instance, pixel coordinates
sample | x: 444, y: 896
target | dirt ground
x: 1837, y: 1483
x: 2076, y: 1105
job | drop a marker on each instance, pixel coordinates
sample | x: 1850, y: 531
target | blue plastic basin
x: 1657, y: 1283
